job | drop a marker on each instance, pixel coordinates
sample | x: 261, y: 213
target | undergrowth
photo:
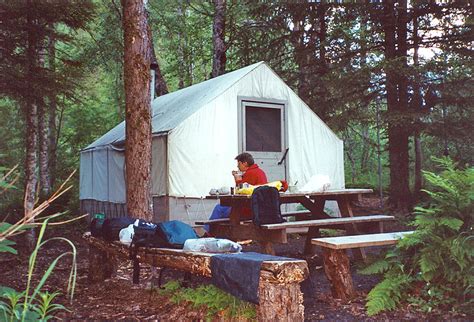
x: 216, y: 301
x: 432, y: 268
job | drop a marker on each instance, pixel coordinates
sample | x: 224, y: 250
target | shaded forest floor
x: 117, y: 298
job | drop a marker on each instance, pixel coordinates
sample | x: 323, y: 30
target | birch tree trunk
x: 218, y: 39
x: 31, y: 121
x: 43, y: 137
x: 137, y: 109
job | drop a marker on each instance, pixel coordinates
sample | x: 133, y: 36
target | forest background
x: 393, y: 79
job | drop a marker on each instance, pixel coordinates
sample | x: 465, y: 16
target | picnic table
x: 236, y: 228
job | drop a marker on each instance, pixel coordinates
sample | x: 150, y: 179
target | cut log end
x: 280, y: 302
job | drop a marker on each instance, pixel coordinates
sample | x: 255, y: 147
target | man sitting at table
x: 252, y: 174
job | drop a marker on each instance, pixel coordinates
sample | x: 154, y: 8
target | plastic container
x: 212, y: 245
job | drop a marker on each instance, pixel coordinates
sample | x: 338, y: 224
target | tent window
x: 263, y: 129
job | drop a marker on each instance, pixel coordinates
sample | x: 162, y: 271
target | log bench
x: 336, y: 261
x: 280, y: 297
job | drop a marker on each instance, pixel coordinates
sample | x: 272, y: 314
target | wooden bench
x: 330, y: 222
x: 225, y: 220
x: 280, y: 297
x: 336, y: 261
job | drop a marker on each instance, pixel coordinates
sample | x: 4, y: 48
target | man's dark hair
x: 245, y: 157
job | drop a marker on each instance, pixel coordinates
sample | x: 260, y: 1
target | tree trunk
x: 417, y: 105
x: 137, y: 110
x: 43, y: 135
x: 31, y: 122
x: 52, y: 100
x: 218, y: 39
x: 396, y: 87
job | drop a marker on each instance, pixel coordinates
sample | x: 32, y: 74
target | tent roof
x: 171, y: 109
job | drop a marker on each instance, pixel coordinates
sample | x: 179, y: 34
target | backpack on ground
x: 112, y: 226
x: 265, y: 205
x: 168, y: 234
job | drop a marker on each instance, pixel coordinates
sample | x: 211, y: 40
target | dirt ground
x: 117, y: 298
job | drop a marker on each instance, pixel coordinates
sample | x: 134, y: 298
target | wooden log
x: 280, y: 297
x: 280, y: 302
x: 102, y: 265
x: 276, y: 272
x: 337, y: 269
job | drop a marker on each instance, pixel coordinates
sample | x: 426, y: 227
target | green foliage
x: 387, y: 294
x: 33, y: 304
x: 438, y: 257
x: 11, y: 309
x: 213, y: 299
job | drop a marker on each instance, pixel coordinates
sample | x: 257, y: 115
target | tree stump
x: 337, y: 269
x: 280, y: 302
x: 102, y: 265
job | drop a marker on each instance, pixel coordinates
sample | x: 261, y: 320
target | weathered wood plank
x: 249, y: 231
x: 225, y: 220
x: 326, y: 222
x: 347, y: 242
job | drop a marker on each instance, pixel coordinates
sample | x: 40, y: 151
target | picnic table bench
x: 237, y: 228
x: 336, y: 261
x: 280, y: 297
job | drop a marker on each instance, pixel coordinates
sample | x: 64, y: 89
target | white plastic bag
x: 317, y: 183
x: 126, y: 234
x: 212, y: 245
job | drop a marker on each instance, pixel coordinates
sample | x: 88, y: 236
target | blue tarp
x: 239, y: 274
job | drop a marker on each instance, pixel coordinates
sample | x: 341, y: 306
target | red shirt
x: 254, y: 176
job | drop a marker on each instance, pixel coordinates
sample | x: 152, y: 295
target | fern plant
x: 216, y: 301
x: 435, y: 264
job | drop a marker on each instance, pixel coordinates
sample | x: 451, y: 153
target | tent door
x: 263, y: 134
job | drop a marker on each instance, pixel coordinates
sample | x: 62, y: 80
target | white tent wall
x: 102, y: 181
x: 100, y: 175
x: 159, y: 166
x: 116, y: 176
x: 85, y: 176
x: 202, y: 150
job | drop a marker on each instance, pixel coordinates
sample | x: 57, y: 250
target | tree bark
x: 397, y: 104
x: 31, y: 121
x: 338, y: 272
x: 137, y: 110
x: 417, y: 106
x: 218, y: 39
x: 43, y: 137
x: 52, y: 100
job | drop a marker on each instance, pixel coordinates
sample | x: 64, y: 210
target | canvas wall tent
x: 198, y: 131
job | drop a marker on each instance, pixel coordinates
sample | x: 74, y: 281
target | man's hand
x: 237, y: 175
